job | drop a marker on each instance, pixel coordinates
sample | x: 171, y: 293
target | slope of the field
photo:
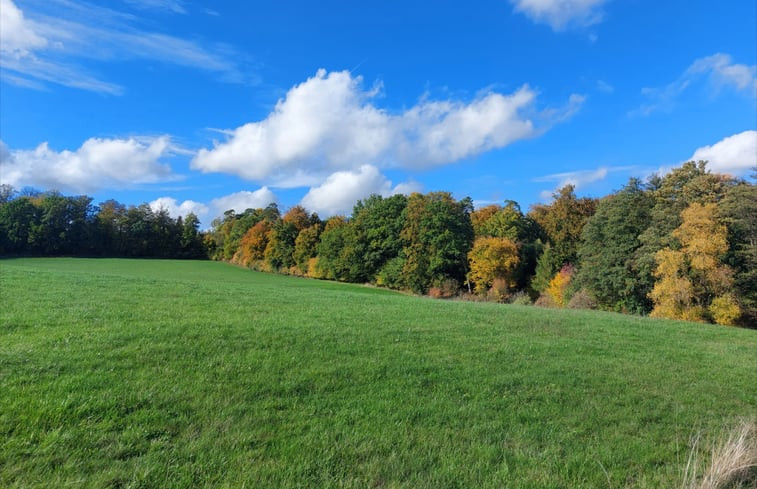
x: 138, y: 373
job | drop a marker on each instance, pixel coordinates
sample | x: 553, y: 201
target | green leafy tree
x: 437, y: 236
x: 738, y: 210
x: 191, y: 240
x: 305, y: 247
x: 377, y: 222
x: 17, y: 219
x: 607, y: 250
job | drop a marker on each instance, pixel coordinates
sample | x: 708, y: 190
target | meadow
x: 158, y: 373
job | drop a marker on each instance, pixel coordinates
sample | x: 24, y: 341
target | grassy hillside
x: 131, y: 373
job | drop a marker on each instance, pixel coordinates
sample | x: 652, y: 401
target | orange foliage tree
x: 253, y: 244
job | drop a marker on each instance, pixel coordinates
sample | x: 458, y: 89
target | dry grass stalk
x: 733, y: 462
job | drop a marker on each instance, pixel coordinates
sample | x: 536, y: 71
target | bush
x: 545, y: 300
x: 499, y: 291
x: 725, y: 310
x: 390, y: 274
x: 559, y: 286
x: 582, y: 300
x: 470, y: 297
x: 521, y: 298
x: 313, y: 270
x: 444, y: 289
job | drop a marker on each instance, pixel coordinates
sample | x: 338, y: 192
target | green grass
x: 148, y: 373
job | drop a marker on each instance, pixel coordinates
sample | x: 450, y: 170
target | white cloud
x: 723, y: 71
x: 240, y: 201
x: 561, y: 14
x: 174, y: 6
x: 718, y: 70
x: 51, y: 47
x: 575, y: 178
x: 17, y: 35
x: 328, y: 123
x: 735, y: 155
x: 605, y: 87
x: 98, y: 163
x: 579, y: 178
x: 175, y: 209
x: 341, y: 190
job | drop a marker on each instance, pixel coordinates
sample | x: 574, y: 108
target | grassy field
x: 140, y: 373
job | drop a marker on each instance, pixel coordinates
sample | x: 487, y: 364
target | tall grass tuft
x: 733, y: 461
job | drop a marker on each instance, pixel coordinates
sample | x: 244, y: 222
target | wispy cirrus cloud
x: 173, y: 6
x: 61, y: 42
x: 718, y: 71
x: 579, y: 178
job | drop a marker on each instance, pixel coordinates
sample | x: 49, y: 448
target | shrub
x: 725, y: 310
x: 558, y: 286
x: 444, y: 289
x: 313, y: 270
x: 470, y: 297
x: 521, y: 298
x: 582, y: 300
x: 390, y: 274
x: 499, y: 291
x: 545, y: 300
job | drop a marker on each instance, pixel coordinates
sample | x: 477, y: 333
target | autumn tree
x: 691, y: 278
x: 253, y: 244
x: 671, y: 194
x: 559, y: 287
x: 305, y: 248
x: 562, y: 222
x: 493, y: 258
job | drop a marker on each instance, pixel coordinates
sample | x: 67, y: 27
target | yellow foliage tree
x: 557, y: 289
x: 673, y: 292
x: 491, y: 259
x: 693, y: 281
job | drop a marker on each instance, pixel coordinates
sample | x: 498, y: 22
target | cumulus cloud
x: 341, y: 190
x: 97, y: 164
x: 17, y: 34
x: 240, y: 201
x: 734, y: 155
x: 176, y: 209
x: 329, y: 123
x: 719, y: 71
x: 49, y: 47
x: 561, y: 14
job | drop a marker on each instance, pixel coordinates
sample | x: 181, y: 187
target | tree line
x: 36, y: 223
x: 681, y: 246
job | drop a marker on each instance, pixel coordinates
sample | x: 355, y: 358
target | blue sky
x: 205, y: 106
